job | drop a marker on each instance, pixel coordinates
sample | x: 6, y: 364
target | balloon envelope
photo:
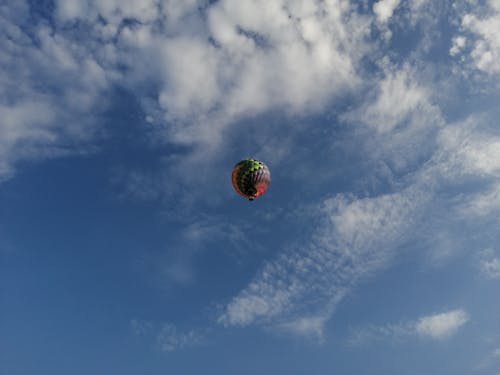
x: 251, y: 178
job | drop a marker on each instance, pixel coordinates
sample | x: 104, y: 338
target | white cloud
x: 465, y: 154
x: 384, y: 9
x: 483, y: 25
x: 191, y: 76
x: 417, y: 6
x: 466, y: 149
x: 458, y: 43
x: 113, y: 11
x: 437, y: 327
x: 399, y: 95
x: 206, y: 66
x: 482, y: 204
x: 238, y: 58
x: 442, y: 325
x: 491, y: 267
x: 199, y: 67
x: 489, y: 361
x: 49, y: 88
x: 490, y: 264
x: 399, y: 109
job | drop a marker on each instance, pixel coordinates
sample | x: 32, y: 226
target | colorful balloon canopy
x: 251, y: 178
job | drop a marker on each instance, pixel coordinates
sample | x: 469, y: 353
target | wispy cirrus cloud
x: 166, y: 336
x: 403, y: 118
x: 484, y: 203
x: 441, y: 326
x: 436, y: 327
x: 469, y: 148
x: 174, y: 265
x: 489, y: 264
x: 491, y: 267
x: 169, y: 339
x: 300, y: 289
x: 465, y: 156
x: 398, y: 85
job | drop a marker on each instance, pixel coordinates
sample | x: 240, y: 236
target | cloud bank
x: 212, y: 64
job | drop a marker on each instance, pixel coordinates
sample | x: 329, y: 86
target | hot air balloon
x: 251, y: 178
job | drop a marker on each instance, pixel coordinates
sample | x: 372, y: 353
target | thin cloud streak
x: 441, y: 326
x: 435, y: 327
x: 169, y: 339
x: 166, y: 336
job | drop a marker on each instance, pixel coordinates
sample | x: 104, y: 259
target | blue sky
x: 124, y: 248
